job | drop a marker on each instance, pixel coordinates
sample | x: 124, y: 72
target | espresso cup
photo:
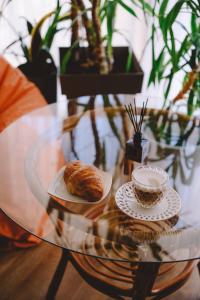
x: 149, y: 184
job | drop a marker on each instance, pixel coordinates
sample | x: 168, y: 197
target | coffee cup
x: 149, y: 184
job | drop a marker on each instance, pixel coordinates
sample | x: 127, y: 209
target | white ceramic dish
x: 168, y: 207
x: 57, y: 189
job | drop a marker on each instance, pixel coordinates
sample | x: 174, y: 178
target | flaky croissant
x: 83, y: 180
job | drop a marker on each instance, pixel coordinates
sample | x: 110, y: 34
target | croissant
x: 83, y: 180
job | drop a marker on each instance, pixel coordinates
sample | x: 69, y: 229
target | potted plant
x: 36, y: 49
x: 180, y: 52
x: 98, y: 67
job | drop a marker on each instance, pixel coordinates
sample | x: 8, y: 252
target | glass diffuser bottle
x: 137, y: 148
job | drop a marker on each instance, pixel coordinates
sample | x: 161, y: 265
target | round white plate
x: 168, y: 207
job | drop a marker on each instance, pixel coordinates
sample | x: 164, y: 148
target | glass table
x: 38, y: 144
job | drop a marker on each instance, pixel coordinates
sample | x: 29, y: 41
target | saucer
x: 169, y: 205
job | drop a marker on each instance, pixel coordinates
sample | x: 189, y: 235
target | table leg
x: 144, y: 280
x: 58, y: 275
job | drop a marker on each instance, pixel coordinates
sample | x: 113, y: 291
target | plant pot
x: 77, y: 81
x: 44, y: 77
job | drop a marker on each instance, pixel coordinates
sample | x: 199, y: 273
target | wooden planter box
x: 77, y: 82
x: 45, y: 80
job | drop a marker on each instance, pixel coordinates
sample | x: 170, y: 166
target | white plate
x: 57, y: 188
x: 168, y: 207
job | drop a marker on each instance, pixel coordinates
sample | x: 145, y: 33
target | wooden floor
x: 25, y: 275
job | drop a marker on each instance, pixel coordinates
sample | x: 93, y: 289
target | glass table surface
x: 36, y: 146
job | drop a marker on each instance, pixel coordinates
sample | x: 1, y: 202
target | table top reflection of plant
x: 172, y: 135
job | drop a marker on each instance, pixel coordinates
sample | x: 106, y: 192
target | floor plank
x: 26, y: 274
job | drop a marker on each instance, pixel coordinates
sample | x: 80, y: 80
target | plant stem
x: 86, y: 23
x: 99, y: 48
x: 192, y: 76
x: 74, y: 19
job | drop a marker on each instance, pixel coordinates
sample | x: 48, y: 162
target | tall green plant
x: 177, y: 55
x: 89, y: 17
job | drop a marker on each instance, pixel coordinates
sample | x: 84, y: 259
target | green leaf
x: 29, y: 26
x: 190, y: 103
x: 193, y: 24
x: 152, y: 76
x: 161, y: 15
x: 158, y: 69
x: 160, y: 65
x: 67, y: 57
x: 102, y: 10
x: 173, y: 50
x: 163, y: 7
x: 127, y: 8
x: 169, y: 85
x: 146, y: 6
x: 185, y: 46
x: 49, y: 36
x: 36, y: 40
x: 172, y: 15
x: 110, y: 14
x: 195, y: 7
x: 129, y: 63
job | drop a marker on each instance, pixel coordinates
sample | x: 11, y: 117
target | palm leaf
x: 49, y: 36
x: 173, y: 49
x: 127, y: 8
x: 129, y: 62
x: 171, y: 17
x: 110, y: 17
x: 67, y: 57
x: 185, y: 46
x: 36, y: 40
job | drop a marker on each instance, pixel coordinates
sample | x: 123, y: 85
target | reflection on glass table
x: 37, y: 146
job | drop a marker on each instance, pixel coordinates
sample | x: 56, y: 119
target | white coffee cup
x: 149, y: 184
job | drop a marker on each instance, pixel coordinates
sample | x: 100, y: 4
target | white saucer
x: 168, y: 207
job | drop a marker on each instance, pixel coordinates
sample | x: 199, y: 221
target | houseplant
x: 39, y: 64
x: 91, y: 65
x: 180, y: 51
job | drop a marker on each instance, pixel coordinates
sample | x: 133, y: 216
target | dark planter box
x: 76, y: 82
x: 44, y: 78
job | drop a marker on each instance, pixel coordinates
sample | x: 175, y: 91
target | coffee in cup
x: 149, y: 184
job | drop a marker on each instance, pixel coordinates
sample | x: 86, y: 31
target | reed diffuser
x: 137, y: 147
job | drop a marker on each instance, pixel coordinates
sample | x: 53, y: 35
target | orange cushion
x: 17, y: 97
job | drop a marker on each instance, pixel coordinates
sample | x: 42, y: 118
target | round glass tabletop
x: 37, y: 146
